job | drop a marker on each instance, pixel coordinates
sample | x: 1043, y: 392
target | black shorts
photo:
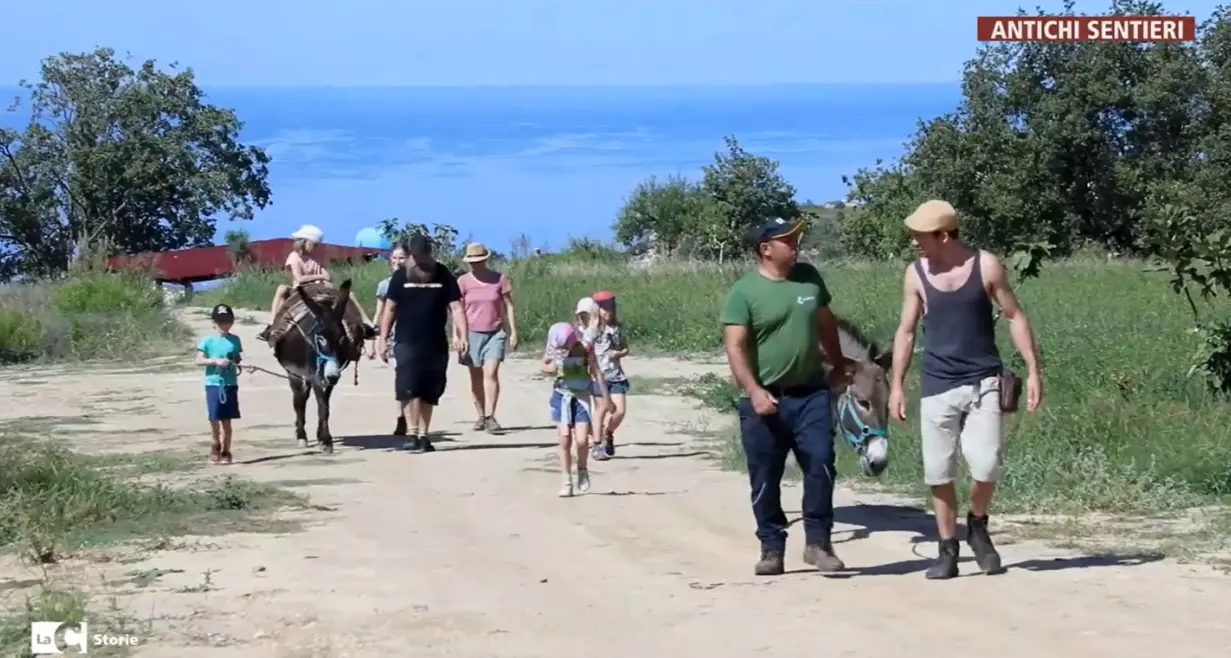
x: 420, y: 373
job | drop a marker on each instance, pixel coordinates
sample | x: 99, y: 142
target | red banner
x: 1087, y: 28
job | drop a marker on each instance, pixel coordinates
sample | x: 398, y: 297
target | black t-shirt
x: 422, y: 308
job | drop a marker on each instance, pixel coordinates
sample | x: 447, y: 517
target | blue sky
x: 513, y: 42
x: 584, y: 149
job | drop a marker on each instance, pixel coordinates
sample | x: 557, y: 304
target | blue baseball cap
x: 776, y: 228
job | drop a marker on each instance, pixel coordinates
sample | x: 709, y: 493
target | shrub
x: 21, y: 335
x: 107, y: 294
x: 89, y: 316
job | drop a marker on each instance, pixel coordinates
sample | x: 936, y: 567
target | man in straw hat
x: 772, y: 320
x: 953, y: 287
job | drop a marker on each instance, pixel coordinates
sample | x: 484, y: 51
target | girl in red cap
x: 610, y: 348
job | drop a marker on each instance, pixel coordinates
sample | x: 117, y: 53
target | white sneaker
x: 566, y: 490
x: 583, y: 480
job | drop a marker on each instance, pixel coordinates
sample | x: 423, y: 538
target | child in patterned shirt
x: 576, y: 371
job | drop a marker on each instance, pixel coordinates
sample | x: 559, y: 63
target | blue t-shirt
x: 219, y: 346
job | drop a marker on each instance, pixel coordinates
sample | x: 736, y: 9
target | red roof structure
x: 209, y: 263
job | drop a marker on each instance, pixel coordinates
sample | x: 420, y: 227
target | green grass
x: 1122, y: 430
x: 57, y: 502
x: 90, y: 316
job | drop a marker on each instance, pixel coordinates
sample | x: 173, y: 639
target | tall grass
x: 93, y: 315
x: 1122, y: 429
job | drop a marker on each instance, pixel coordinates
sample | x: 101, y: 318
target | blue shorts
x: 619, y: 387
x: 580, y: 409
x: 486, y: 346
x: 222, y: 402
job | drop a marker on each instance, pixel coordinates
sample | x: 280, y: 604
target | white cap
x: 586, y: 305
x: 309, y: 232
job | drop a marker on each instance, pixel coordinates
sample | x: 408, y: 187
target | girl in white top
x: 306, y: 269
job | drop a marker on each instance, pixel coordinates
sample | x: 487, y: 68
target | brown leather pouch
x: 1010, y: 391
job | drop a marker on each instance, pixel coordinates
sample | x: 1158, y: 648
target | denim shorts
x: 222, y: 402
x: 486, y: 346
x: 580, y: 408
x: 618, y: 387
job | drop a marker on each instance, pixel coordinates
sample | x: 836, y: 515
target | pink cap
x: 561, y: 334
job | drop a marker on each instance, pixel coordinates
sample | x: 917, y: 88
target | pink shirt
x: 483, y: 301
x: 309, y: 264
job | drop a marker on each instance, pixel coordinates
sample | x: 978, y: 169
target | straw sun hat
x: 476, y: 253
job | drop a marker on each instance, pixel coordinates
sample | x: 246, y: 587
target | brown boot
x: 770, y: 564
x: 821, y: 555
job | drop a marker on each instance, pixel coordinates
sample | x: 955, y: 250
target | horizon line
x: 571, y: 86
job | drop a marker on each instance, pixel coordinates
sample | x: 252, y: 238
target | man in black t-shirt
x: 421, y: 297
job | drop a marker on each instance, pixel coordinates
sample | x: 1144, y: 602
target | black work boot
x: 425, y: 444
x: 400, y: 428
x: 820, y: 555
x: 770, y: 564
x: 980, y: 543
x: 945, y: 566
x: 264, y: 335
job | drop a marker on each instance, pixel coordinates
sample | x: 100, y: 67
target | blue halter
x: 321, y: 347
x: 858, y: 434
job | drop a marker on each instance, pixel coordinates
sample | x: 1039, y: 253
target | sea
x: 546, y: 163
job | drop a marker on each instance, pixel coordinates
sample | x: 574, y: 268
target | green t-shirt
x: 781, y: 317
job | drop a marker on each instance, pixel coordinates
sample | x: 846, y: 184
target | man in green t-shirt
x: 773, y: 320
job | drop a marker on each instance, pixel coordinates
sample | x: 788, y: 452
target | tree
x: 747, y: 189
x: 1054, y: 146
x: 134, y: 158
x: 1125, y: 146
x: 710, y: 218
x: 239, y: 247
x: 443, y: 236
x: 664, y: 215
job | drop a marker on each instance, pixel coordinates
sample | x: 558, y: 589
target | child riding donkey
x: 305, y: 269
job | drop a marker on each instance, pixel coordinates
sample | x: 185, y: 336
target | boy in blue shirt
x: 221, y: 354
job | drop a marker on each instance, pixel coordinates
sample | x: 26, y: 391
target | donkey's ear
x: 343, y: 296
x: 884, y: 358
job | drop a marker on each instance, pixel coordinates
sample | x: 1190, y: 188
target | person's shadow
x: 919, y: 524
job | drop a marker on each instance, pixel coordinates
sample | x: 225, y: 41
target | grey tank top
x: 959, y: 335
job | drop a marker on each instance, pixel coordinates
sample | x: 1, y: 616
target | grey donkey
x: 861, y: 411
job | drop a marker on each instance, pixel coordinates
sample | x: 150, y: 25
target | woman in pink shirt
x: 488, y: 299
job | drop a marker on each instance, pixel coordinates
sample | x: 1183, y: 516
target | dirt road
x: 467, y: 552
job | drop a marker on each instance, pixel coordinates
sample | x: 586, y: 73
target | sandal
x: 226, y: 457
x: 215, y: 455
x: 492, y: 426
x: 480, y: 425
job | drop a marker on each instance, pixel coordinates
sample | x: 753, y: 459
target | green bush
x: 107, y: 294
x: 21, y: 335
x: 89, y: 316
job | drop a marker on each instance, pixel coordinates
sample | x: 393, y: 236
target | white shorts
x: 969, y: 417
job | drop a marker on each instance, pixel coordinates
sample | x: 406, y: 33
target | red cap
x: 602, y: 296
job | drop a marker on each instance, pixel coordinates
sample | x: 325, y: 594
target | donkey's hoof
x: 303, y: 442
